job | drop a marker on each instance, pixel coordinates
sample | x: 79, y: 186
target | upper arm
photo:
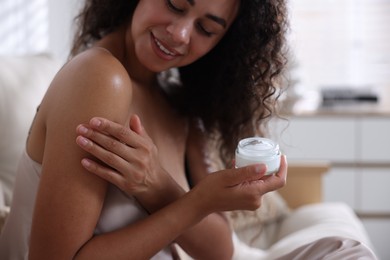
x: 197, y: 154
x: 70, y: 199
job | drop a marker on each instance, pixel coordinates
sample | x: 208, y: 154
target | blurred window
x: 341, y: 42
x: 23, y: 26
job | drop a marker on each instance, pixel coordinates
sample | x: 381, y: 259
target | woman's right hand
x: 129, y: 154
x: 239, y: 189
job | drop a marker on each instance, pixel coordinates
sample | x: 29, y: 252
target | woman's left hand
x: 129, y: 154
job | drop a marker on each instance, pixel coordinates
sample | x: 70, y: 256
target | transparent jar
x: 258, y: 150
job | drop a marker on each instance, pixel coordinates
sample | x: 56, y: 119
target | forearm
x: 209, y: 239
x: 145, y: 238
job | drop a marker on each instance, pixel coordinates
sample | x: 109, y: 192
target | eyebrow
x: 216, y: 19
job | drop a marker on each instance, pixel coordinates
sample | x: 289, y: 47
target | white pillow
x: 23, y: 82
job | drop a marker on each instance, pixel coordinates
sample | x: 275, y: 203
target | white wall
x: 61, y: 27
x: 36, y: 26
x: 23, y: 26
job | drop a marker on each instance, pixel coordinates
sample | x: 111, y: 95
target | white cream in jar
x: 258, y: 150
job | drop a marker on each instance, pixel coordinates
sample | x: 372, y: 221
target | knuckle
x: 282, y: 182
x: 139, y: 179
x: 149, y: 149
x: 143, y: 163
x: 108, y: 175
x: 255, y: 205
x: 104, y: 125
x: 110, y: 159
x: 123, y: 131
x: 256, y: 202
x: 129, y: 188
x: 155, y: 150
x: 112, y: 144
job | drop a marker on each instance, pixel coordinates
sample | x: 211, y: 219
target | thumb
x: 246, y: 174
x: 135, y: 124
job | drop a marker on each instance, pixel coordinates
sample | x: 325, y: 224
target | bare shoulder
x: 97, y: 66
x: 95, y: 80
x: 97, y: 58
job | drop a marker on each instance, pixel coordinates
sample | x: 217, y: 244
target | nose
x: 180, y: 31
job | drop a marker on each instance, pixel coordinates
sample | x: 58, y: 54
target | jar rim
x: 257, y: 146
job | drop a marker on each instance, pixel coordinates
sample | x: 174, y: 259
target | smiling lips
x: 163, y: 51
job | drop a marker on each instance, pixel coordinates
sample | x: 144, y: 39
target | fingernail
x: 82, y: 141
x: 95, y: 122
x: 259, y: 168
x: 85, y: 163
x: 83, y: 130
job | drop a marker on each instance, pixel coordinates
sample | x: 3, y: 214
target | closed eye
x: 174, y: 8
x: 203, y: 30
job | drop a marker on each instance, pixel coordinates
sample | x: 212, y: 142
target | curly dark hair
x: 233, y: 89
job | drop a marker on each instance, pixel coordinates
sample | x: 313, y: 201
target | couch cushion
x: 23, y: 82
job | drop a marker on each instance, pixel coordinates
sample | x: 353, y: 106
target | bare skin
x: 134, y: 160
x: 70, y: 199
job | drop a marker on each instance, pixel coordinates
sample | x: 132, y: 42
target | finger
x: 120, y: 132
x: 106, y: 156
x: 277, y: 180
x: 246, y: 174
x: 109, y: 143
x: 103, y: 172
x: 282, y: 173
x: 135, y: 124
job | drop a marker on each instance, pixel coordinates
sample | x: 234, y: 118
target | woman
x: 228, y: 55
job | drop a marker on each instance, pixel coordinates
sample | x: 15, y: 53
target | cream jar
x: 258, y: 150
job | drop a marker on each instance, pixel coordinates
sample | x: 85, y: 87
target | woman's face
x: 174, y: 33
